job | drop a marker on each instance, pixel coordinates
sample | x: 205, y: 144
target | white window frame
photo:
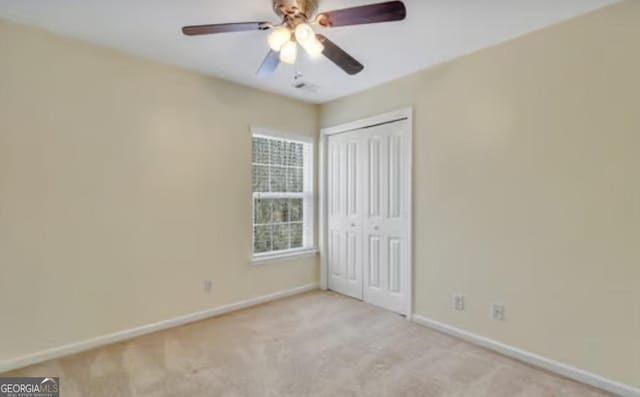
x: 308, y: 196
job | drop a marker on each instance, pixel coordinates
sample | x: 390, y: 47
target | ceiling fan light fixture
x: 297, y: 27
x: 279, y: 37
x: 289, y: 53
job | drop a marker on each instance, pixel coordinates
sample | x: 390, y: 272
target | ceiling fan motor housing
x: 295, y: 8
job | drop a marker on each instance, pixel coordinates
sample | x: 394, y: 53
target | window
x: 282, y: 194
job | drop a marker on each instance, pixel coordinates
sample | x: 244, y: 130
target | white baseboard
x: 108, y: 339
x: 533, y: 359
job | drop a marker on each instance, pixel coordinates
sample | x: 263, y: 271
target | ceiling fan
x: 296, y: 29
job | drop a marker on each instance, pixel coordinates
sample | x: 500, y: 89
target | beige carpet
x: 316, y: 344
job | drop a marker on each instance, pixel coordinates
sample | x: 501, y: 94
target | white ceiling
x: 435, y: 31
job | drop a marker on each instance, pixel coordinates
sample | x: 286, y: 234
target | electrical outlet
x: 208, y: 285
x: 458, y: 303
x: 498, y: 312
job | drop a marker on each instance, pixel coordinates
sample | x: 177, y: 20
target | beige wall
x: 526, y: 189
x: 123, y: 185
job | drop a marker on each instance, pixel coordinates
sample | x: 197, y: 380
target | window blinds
x: 282, y: 195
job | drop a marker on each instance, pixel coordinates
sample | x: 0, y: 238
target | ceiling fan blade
x: 381, y: 12
x: 340, y: 57
x: 269, y: 65
x: 196, y: 30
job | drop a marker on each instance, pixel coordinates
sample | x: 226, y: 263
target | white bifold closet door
x: 368, y: 206
x: 346, y: 212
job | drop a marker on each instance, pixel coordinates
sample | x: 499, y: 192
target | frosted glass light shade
x: 314, y: 48
x: 307, y: 39
x: 279, y: 37
x: 305, y: 34
x: 289, y: 52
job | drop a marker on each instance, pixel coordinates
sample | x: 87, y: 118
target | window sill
x: 277, y: 257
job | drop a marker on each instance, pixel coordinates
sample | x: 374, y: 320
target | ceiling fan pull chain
x: 298, y: 70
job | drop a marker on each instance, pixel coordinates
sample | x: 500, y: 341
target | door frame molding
x: 406, y: 113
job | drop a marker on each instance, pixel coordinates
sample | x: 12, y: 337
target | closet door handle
x: 376, y: 228
x: 353, y: 225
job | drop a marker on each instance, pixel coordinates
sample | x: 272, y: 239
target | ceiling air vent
x: 305, y: 86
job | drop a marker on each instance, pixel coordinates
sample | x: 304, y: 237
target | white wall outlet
x: 498, y: 312
x: 458, y: 303
x: 208, y: 285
